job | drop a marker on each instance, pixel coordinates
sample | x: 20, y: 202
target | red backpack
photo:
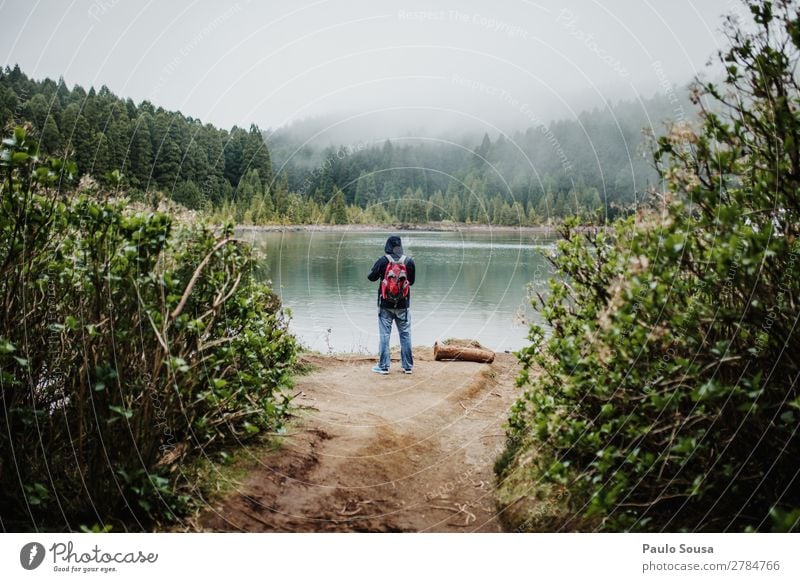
x: 394, y: 286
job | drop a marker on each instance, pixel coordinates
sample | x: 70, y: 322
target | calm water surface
x: 471, y: 285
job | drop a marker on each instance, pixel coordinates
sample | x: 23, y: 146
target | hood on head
x: 393, y: 247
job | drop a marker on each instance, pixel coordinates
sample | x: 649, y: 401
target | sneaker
x: 379, y: 370
x: 407, y: 371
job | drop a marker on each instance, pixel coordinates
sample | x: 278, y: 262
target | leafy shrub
x: 128, y: 344
x: 665, y: 396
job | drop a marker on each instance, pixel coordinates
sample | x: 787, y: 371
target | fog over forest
x: 374, y: 69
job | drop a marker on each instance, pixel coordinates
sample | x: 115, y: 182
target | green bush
x: 128, y: 345
x: 664, y: 394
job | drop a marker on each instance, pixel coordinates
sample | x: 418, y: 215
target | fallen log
x: 460, y: 352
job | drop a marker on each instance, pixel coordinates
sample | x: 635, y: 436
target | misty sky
x: 421, y: 66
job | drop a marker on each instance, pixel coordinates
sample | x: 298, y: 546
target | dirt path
x: 382, y: 453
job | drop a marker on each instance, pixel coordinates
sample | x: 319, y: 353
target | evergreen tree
x: 140, y: 153
x: 78, y: 137
x: 50, y: 141
x: 37, y: 110
x: 436, y: 207
x: 336, y: 213
x: 280, y: 195
x: 188, y: 194
x: 250, y: 187
x: 101, y: 164
x: 167, y: 153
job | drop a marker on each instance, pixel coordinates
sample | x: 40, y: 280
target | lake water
x: 471, y: 285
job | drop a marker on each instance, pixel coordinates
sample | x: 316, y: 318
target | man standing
x: 396, y: 273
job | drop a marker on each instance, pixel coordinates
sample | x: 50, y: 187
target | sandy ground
x: 381, y: 453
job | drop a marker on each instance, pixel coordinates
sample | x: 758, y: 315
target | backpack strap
x: 400, y: 261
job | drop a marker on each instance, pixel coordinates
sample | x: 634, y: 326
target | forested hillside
x: 599, y: 162
x: 594, y: 166
x: 196, y: 164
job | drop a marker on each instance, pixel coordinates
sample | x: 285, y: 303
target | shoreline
x: 398, y: 227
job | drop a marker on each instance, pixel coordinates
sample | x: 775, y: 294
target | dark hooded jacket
x: 394, y: 248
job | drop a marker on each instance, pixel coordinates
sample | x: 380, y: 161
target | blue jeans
x: 403, y: 319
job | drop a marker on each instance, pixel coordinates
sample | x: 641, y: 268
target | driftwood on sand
x: 459, y: 351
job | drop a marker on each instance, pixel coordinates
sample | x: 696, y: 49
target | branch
x: 196, y: 276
